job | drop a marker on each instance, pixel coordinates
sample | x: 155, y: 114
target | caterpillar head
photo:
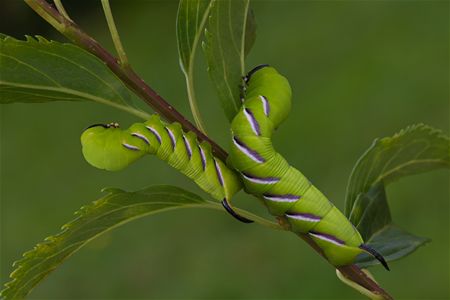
x: 104, y: 146
x: 265, y: 81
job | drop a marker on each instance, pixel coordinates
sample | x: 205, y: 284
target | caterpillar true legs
x: 108, y: 147
x: 286, y: 192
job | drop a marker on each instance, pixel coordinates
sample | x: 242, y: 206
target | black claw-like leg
x: 237, y: 216
x: 375, y: 254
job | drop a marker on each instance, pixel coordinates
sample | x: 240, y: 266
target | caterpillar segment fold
x: 108, y: 147
x: 286, y: 192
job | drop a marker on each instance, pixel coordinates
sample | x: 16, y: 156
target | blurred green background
x: 359, y: 70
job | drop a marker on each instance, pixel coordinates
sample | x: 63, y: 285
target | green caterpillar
x: 108, y: 147
x: 286, y: 192
x: 265, y: 173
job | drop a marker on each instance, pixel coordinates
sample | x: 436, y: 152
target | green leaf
x: 38, y: 70
x: 370, y: 212
x: 114, y: 209
x: 418, y: 148
x: 230, y: 34
x: 191, y: 20
x: 372, y: 218
x: 415, y: 149
x: 393, y: 243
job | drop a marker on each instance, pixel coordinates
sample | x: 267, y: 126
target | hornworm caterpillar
x: 108, y: 147
x: 286, y: 192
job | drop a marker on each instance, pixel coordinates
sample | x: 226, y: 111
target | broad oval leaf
x: 418, y: 148
x: 38, y: 70
x: 230, y: 34
x: 393, y: 243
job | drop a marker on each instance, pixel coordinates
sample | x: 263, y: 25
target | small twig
x: 74, y: 33
x: 114, y: 34
x: 135, y: 83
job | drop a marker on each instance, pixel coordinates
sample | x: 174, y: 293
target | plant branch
x: 114, y: 34
x: 136, y: 84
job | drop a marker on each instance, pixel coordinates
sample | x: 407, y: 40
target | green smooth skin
x: 104, y: 148
x: 269, y: 83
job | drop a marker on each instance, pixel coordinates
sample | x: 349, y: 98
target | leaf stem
x: 61, y: 9
x: 114, y: 34
x: 260, y: 220
x: 193, y: 101
x: 136, y: 84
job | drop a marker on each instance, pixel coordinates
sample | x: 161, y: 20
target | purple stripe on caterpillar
x: 155, y: 132
x: 130, y: 147
x: 219, y: 172
x: 266, y: 105
x: 172, y: 137
x: 281, y: 198
x: 188, y: 146
x: 252, y: 154
x: 203, y: 157
x: 252, y: 121
x: 260, y: 180
x: 142, y: 137
x: 303, y: 217
x: 327, y: 237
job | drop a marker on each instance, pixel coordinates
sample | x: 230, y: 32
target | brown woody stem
x: 135, y: 83
x: 74, y: 33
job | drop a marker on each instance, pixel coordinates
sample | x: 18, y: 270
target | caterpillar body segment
x: 286, y: 192
x: 111, y: 148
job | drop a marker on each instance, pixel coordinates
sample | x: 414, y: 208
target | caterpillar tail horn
x: 375, y: 254
x: 231, y: 211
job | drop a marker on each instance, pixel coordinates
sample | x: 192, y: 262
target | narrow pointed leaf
x: 38, y: 70
x: 114, y: 209
x: 191, y: 20
x: 230, y: 34
x: 393, y: 243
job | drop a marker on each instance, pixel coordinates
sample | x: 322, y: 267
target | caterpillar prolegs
x: 108, y: 147
x: 286, y: 192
